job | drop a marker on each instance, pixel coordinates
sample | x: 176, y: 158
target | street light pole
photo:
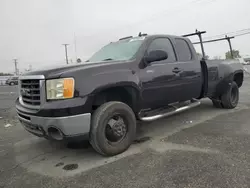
x: 66, y: 52
x: 75, y: 47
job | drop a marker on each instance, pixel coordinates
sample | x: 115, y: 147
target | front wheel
x: 113, y: 128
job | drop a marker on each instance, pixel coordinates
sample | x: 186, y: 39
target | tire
x: 217, y: 104
x: 12, y: 83
x: 100, y: 119
x: 230, y: 98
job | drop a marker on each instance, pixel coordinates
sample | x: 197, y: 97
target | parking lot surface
x: 203, y: 147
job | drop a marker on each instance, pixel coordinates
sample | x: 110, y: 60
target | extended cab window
x: 120, y: 50
x: 183, y: 50
x: 165, y: 45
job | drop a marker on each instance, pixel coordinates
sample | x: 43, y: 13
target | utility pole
x: 30, y: 67
x: 16, y: 70
x: 75, y: 47
x: 66, y: 52
x: 230, y: 45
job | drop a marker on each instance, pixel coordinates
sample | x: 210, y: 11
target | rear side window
x: 165, y: 45
x: 183, y: 50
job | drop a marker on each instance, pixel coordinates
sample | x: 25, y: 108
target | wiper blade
x: 108, y: 59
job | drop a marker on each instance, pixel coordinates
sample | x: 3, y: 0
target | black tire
x: 100, y: 119
x: 217, y: 104
x: 12, y: 83
x: 230, y: 98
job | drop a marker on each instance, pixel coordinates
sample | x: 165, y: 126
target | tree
x: 236, y: 54
x: 200, y: 55
x: 5, y: 74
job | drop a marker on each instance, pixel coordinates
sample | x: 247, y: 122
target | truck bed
x: 218, y: 70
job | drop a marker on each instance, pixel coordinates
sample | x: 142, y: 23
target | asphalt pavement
x: 202, y: 147
x: 7, y: 96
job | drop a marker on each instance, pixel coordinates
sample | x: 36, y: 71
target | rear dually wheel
x: 229, y: 99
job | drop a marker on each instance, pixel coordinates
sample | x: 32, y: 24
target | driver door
x: 158, y: 81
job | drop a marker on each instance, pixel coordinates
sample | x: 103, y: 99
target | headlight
x: 60, y: 88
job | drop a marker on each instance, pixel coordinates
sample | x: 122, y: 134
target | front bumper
x: 71, y: 117
x: 69, y: 126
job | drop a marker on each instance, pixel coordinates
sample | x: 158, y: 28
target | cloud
x: 33, y: 30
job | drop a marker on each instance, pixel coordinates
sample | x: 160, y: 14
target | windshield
x: 121, y: 50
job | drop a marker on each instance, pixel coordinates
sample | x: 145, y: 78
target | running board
x: 175, y: 111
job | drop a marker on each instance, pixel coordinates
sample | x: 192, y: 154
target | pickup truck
x: 12, y: 81
x: 140, y: 78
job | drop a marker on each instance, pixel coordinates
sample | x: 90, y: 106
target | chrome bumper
x: 70, y: 125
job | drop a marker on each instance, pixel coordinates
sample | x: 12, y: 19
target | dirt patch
x: 59, y: 164
x: 70, y: 167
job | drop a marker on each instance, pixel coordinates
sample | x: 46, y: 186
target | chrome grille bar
x: 30, y: 90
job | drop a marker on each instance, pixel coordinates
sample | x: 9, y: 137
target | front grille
x: 30, y: 92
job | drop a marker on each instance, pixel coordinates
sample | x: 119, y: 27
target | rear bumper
x: 69, y: 126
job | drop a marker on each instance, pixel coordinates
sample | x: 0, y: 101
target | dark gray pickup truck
x: 136, y: 78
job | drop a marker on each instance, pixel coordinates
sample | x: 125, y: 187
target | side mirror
x: 156, y: 55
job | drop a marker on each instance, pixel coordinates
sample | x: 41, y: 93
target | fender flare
x: 136, y: 97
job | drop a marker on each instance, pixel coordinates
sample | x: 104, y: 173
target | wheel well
x: 238, y: 78
x: 127, y: 95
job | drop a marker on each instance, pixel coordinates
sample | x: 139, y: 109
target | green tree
x: 236, y: 54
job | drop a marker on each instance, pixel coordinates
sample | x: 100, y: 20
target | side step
x: 171, y: 111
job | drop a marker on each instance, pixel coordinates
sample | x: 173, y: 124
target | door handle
x: 176, y: 70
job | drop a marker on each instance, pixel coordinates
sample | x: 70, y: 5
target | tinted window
x: 165, y: 45
x: 183, y: 50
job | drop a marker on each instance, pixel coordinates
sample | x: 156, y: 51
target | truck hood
x: 56, y: 71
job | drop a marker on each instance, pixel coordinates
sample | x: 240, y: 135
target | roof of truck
x: 148, y: 36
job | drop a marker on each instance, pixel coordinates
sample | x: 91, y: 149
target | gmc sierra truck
x: 135, y: 78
